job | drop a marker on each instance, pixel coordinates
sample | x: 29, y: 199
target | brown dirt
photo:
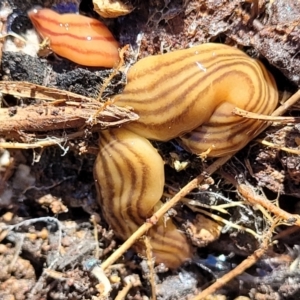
x: 48, y: 198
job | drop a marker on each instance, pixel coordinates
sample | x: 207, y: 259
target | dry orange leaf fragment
x: 111, y: 8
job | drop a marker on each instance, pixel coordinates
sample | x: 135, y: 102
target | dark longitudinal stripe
x: 240, y: 130
x: 119, y: 203
x: 167, y: 240
x: 115, y: 202
x: 172, y: 71
x: 185, y: 88
x: 122, y: 150
x: 129, y: 201
x: 132, y: 98
x: 234, y: 141
x: 137, y: 162
x: 88, y: 52
x: 188, y: 91
x: 105, y: 153
x: 171, y: 65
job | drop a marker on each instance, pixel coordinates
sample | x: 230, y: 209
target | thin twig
x: 41, y: 118
x: 122, y: 294
x: 18, y: 250
x: 115, y: 71
x: 250, y: 196
x: 251, y: 115
x: 287, y: 104
x: 150, y: 262
x: 272, y: 145
x: 245, y: 264
x: 286, y: 232
x: 105, y: 84
x: 52, y: 141
x: 226, y: 222
x: 130, y: 281
x: 94, y: 220
x: 281, y: 109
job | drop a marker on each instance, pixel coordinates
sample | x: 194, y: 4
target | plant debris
x: 241, y: 213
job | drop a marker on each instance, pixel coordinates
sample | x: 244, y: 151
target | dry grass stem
x: 272, y: 145
x: 286, y: 105
x: 250, y: 115
x: 111, y: 76
x: 226, y: 222
x: 96, y: 236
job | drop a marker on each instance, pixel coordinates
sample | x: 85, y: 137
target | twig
x: 150, y: 262
x: 247, y: 192
x: 278, y: 112
x: 105, y: 84
x: 50, y: 141
x: 272, y: 145
x: 251, y: 115
x: 62, y: 111
x: 286, y: 232
x: 287, y: 104
x: 104, y: 287
x: 130, y: 281
x: 250, y: 196
x: 122, y: 294
x: 96, y: 237
x: 43, y: 118
x: 245, y: 264
x: 18, y: 250
x: 110, y: 77
x: 224, y: 221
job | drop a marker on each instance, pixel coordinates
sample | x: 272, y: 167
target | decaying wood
x: 57, y: 110
x: 30, y: 90
x: 45, y: 117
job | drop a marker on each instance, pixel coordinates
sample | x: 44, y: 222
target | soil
x: 53, y: 236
